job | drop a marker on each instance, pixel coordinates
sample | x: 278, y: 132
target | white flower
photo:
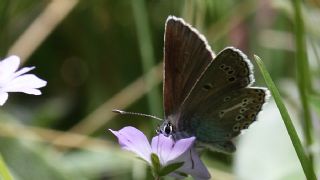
x: 12, y: 80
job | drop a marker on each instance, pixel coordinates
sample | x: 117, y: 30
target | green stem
x: 147, y: 52
x: 303, y: 74
x: 304, y: 160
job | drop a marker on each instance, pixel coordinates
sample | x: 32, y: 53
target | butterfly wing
x: 221, y: 103
x: 209, y: 99
x: 186, y: 55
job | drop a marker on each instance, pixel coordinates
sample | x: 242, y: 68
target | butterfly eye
x: 168, y: 129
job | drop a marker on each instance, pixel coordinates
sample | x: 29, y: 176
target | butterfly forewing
x: 186, y: 55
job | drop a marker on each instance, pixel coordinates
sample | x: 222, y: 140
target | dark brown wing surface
x: 186, y: 55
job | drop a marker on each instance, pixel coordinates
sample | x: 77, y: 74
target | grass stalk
x: 146, y: 50
x: 303, y: 74
x: 305, y: 162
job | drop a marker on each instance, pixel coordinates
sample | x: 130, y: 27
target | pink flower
x: 12, y: 80
x: 166, y: 149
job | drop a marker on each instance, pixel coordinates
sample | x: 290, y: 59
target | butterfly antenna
x: 137, y: 114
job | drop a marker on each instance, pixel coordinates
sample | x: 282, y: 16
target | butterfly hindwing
x: 230, y: 70
x: 221, y: 104
x: 218, y: 120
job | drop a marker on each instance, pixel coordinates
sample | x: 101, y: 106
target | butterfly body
x: 206, y: 95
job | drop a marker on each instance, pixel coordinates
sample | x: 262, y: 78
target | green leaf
x: 155, y: 164
x: 304, y: 160
x: 170, y: 168
x: 4, y: 170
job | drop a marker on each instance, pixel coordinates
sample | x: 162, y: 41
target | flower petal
x: 193, y: 166
x: 132, y: 139
x: 23, y: 71
x: 7, y: 68
x: 180, y: 147
x: 169, y: 150
x: 3, y: 98
x: 162, y: 146
x: 26, y: 83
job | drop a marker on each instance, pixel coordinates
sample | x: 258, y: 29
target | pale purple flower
x: 12, y: 80
x: 166, y: 149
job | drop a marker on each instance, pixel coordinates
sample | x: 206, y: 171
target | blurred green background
x: 103, y: 54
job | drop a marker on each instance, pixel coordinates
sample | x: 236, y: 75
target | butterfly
x: 206, y: 95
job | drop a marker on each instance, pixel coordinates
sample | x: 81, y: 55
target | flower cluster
x: 166, y: 156
x: 12, y: 80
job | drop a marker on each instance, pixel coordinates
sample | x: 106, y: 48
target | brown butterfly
x: 206, y: 95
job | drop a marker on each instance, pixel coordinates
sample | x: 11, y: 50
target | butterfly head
x: 166, y: 128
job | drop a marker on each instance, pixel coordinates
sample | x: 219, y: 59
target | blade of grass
x: 304, y: 160
x: 4, y: 170
x: 147, y: 52
x: 303, y: 73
